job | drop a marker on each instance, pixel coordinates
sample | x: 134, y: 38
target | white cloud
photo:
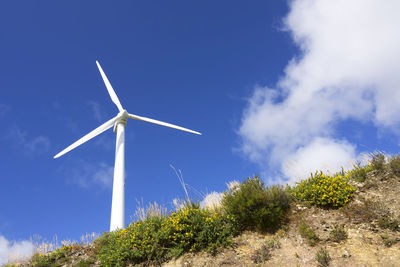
x: 14, y: 251
x: 30, y: 144
x: 347, y: 69
x: 325, y: 153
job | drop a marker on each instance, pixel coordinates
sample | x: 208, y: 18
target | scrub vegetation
x: 156, y: 236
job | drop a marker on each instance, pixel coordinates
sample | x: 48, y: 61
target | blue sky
x: 277, y: 89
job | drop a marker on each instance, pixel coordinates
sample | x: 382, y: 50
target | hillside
x: 363, y: 247
x: 360, y: 231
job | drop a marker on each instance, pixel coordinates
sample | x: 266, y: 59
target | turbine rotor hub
x: 123, y: 116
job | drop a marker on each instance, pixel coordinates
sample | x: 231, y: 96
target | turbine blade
x: 136, y: 117
x: 110, y: 90
x: 89, y: 136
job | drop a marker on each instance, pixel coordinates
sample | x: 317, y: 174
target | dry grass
x: 44, y: 246
x: 212, y: 201
x: 152, y: 210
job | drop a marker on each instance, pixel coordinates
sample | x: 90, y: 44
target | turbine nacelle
x: 122, y: 118
x: 123, y: 114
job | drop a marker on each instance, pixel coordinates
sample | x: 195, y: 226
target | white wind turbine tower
x: 119, y: 122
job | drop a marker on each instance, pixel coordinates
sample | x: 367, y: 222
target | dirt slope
x: 363, y: 247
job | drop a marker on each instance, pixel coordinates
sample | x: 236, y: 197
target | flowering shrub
x: 359, y: 173
x: 158, y: 239
x: 48, y: 259
x: 324, y: 190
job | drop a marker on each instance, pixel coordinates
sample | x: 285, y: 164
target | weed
x: 309, y: 234
x: 387, y: 222
x: 322, y: 257
x: 363, y: 212
x: 256, y: 207
x: 261, y: 255
x: 338, y: 234
x: 273, y: 243
x: 388, y: 241
x: 369, y: 211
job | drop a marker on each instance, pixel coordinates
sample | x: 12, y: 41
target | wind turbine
x: 119, y: 122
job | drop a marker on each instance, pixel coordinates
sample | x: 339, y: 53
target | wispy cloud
x: 105, y: 142
x: 347, y: 69
x: 96, y: 112
x: 3, y: 110
x: 14, y: 251
x: 30, y: 144
x: 89, y: 174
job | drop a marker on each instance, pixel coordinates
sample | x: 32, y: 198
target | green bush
x: 158, y: 239
x: 255, y: 206
x: 324, y: 190
x: 394, y: 164
x: 378, y: 162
